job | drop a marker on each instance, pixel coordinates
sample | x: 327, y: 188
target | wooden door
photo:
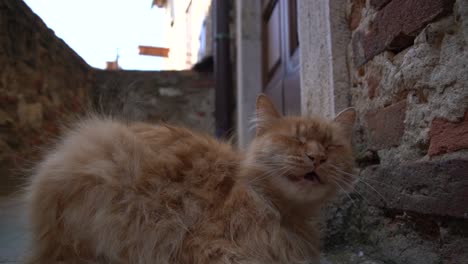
x: 280, y: 41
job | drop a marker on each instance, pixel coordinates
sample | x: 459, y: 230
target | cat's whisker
x: 378, y: 182
x: 340, y: 170
x: 280, y: 172
x: 374, y: 190
x: 266, y: 166
x: 274, y: 172
x: 347, y: 184
x: 344, y: 191
x: 292, y: 159
x: 262, y: 176
x: 279, y: 161
x: 274, y: 165
x: 281, y: 157
x: 358, y: 179
x: 350, y: 186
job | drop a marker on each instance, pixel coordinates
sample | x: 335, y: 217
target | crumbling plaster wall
x: 408, y: 67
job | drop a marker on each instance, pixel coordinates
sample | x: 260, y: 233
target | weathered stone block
x: 434, y: 187
x: 396, y: 26
x: 355, y: 16
x: 446, y: 136
x: 386, y: 126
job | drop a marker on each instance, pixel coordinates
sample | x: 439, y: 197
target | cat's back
x: 135, y: 155
x: 204, y: 166
x: 115, y: 190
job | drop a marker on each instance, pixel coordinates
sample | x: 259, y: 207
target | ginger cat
x: 112, y: 192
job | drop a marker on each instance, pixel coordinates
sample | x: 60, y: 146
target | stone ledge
x: 431, y: 187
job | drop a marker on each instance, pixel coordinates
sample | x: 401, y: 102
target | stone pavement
x: 13, y: 232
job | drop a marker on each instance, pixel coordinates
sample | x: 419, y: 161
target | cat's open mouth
x: 312, y: 177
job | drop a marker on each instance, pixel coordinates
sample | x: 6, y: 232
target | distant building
x: 189, y: 32
x: 112, y: 66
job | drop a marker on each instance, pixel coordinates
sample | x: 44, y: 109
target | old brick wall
x: 408, y: 64
x: 41, y: 81
x: 178, y: 97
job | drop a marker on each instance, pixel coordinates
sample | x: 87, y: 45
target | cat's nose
x: 317, y: 159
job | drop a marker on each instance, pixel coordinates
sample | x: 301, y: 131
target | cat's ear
x: 346, y: 119
x: 265, y: 113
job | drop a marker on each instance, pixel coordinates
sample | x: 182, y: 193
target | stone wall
x: 408, y: 65
x: 44, y: 85
x: 42, y: 81
x: 177, y: 97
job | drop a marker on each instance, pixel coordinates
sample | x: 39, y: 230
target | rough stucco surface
x: 411, y: 204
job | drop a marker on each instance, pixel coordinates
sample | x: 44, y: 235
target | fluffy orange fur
x: 112, y: 192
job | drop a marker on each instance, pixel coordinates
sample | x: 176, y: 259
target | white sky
x: 95, y: 29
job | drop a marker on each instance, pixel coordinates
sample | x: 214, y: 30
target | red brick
x: 446, y: 136
x: 356, y: 11
x: 396, y: 26
x: 386, y: 126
